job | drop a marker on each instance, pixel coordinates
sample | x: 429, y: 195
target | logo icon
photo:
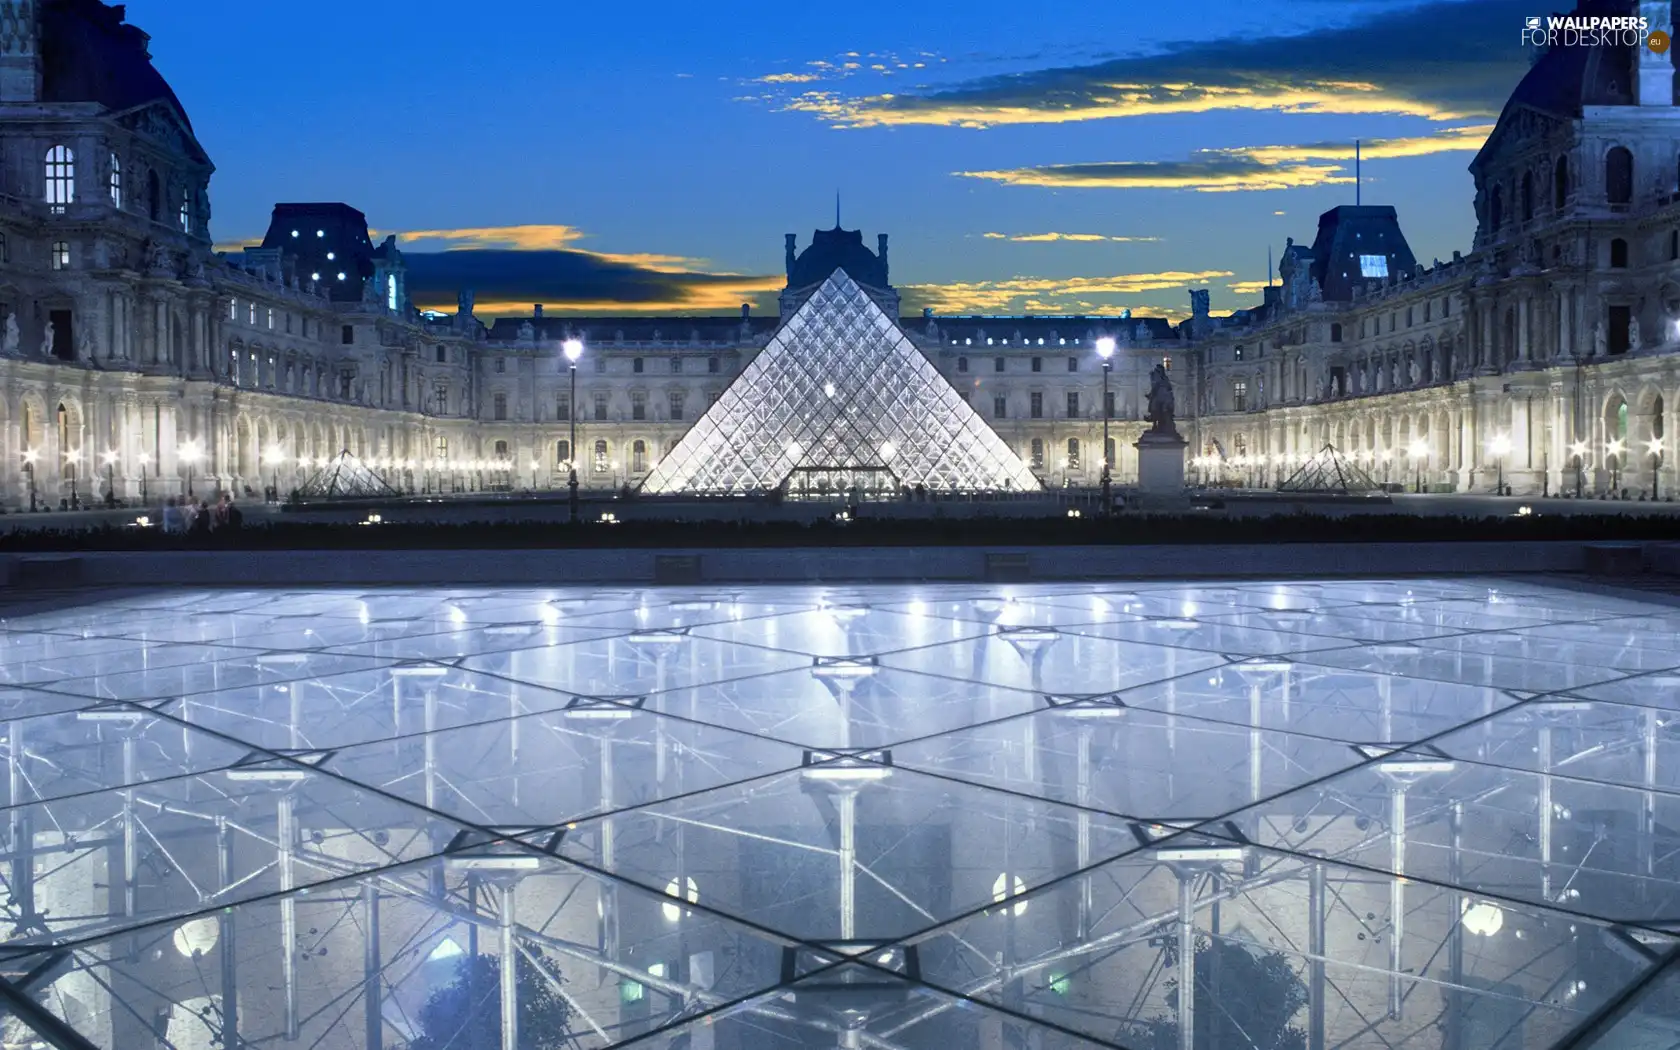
x: 1533, y: 22
x: 1658, y: 41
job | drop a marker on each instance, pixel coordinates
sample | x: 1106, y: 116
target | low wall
x: 781, y: 565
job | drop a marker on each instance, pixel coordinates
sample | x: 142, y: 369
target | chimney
x: 792, y: 239
x: 746, y: 311
x: 881, y: 242
x: 464, y: 303
x: 927, y: 313
x: 536, y: 311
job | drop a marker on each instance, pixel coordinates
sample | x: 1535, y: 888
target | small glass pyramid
x: 840, y: 401
x: 345, y: 476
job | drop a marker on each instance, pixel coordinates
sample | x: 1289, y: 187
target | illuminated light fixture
x: 511, y: 628
x: 197, y: 937
x: 341, y: 275
x: 1105, y: 347
x: 1483, y: 918
x: 1200, y: 854
x: 419, y: 671
x: 847, y: 766
x: 844, y: 666
x: 320, y: 233
x: 294, y: 233
x: 1264, y: 666
x: 670, y: 636
x: 1175, y: 625
x: 1563, y: 706
x: 446, y: 949
x: 603, y: 708
x: 330, y: 256
x: 1395, y: 649
x: 474, y: 851
x: 315, y: 277
x: 573, y: 349
x: 1028, y: 633
x: 828, y: 389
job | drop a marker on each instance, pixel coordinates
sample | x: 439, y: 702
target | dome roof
x: 1565, y: 79
x: 90, y: 54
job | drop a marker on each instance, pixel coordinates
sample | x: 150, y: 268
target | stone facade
x: 137, y: 361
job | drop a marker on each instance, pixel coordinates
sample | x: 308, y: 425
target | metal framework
x: 1414, y: 814
x: 840, y: 402
x: 1330, y: 471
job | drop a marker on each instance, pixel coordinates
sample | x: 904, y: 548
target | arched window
x: 501, y: 450
x: 1560, y: 183
x: 1657, y: 426
x: 61, y: 177
x: 1621, y: 421
x: 1618, y: 175
x: 1038, y: 453
x: 1618, y: 254
x: 1527, y: 196
x: 116, y: 182
x: 154, y: 197
x: 562, y: 452
x: 600, y: 457
x: 638, y: 456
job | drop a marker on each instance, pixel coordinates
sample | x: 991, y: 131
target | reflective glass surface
x: 1281, y: 816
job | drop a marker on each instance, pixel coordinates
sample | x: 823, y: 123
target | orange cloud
x: 1049, y: 294
x: 1247, y: 287
x: 1046, y: 238
x: 527, y: 237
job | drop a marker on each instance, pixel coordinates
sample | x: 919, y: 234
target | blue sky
x: 646, y: 150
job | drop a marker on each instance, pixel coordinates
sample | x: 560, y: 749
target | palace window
x: 1073, y: 453
x: 636, y: 365
x: 962, y: 364
x: 1108, y: 453
x: 347, y: 334
x: 1000, y: 407
x: 1618, y: 254
x: 501, y: 450
x: 1108, y: 404
x: 997, y: 365
x: 562, y: 451
x: 1560, y: 183
x: 1335, y: 333
x: 61, y: 178
x: 440, y: 400
x: 676, y: 366
x: 1239, y: 396
x: 563, y: 409
x: 638, y: 456
x: 676, y: 404
x: 442, y: 355
x: 501, y: 365
x: 1496, y: 209
x: 1618, y: 176
x: 1073, y: 364
x: 1527, y: 196
x: 601, y: 407
x: 391, y: 291
x: 186, y: 211
x: 501, y: 407
x: 1373, y: 266
x: 1236, y: 353
x: 61, y: 255
x: 116, y: 182
x: 638, y: 405
x: 233, y: 309
x: 1038, y: 364
x: 600, y: 457
x: 600, y: 365
x: 271, y: 318
x: 1073, y: 404
x: 1036, y: 406
x: 713, y: 365
x: 1037, y: 454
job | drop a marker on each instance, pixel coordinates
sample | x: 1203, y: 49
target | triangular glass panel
x: 345, y: 477
x: 839, y: 402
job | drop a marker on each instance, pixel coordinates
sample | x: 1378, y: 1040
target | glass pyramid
x: 345, y: 477
x: 840, y: 400
x: 1330, y: 471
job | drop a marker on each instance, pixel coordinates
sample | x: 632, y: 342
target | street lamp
x: 1419, y: 452
x: 190, y: 455
x: 1579, y: 451
x: 1500, y: 446
x: 73, y: 458
x: 573, y: 349
x: 275, y: 456
x: 29, y: 457
x: 1654, y: 449
x: 1614, y: 451
x: 534, y: 466
x: 1105, y: 350
x: 110, y: 459
x: 145, y: 461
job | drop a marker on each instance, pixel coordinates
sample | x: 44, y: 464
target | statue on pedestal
x: 12, y: 336
x: 1600, y: 342
x: 47, y: 340
x: 1634, y: 339
x: 1160, y: 406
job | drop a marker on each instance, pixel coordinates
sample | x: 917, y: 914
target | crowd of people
x: 183, y: 516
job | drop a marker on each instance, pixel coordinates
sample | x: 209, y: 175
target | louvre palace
x: 138, y: 360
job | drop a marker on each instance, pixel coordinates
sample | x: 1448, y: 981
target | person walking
x: 171, y: 516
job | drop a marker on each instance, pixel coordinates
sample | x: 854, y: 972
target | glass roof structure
x: 1422, y: 813
x: 840, y: 400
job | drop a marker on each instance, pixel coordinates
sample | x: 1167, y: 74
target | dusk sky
x: 1071, y: 157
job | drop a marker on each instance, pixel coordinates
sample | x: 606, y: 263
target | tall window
x: 713, y: 365
x: 271, y: 318
x: 440, y: 401
x: 1108, y: 453
x: 442, y: 355
x: 601, y: 407
x: 1108, y: 404
x: 390, y: 291
x: 1618, y: 254
x: 638, y: 456
x: 501, y: 450
x: 1527, y: 196
x: 962, y: 364
x: 1038, y: 364
x: 1618, y: 176
x: 501, y: 406
x: 1037, y: 453
x: 563, y: 409
x: 676, y: 366
x: 676, y: 404
x: 636, y: 365
x: 186, y: 211
x: 600, y: 457
x: 1073, y: 453
x: 997, y: 365
x: 1496, y: 208
x: 1000, y: 407
x: 116, y: 182
x: 154, y: 197
x: 1036, y: 406
x: 1073, y: 404
x: 61, y: 178
x: 1560, y: 183
x: 1073, y: 364
x: 1239, y: 396
x: 61, y: 255
x: 501, y: 364
x: 562, y: 451
x: 638, y: 405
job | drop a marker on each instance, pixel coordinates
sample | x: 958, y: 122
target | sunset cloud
x: 1247, y: 287
x: 1241, y: 168
x: 509, y: 282
x: 1431, y: 60
x: 1050, y: 294
x: 525, y: 237
x: 1047, y: 238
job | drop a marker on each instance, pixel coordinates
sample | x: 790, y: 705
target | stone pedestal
x: 1161, y: 464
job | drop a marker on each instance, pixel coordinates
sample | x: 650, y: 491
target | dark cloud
x: 1441, y: 60
x: 572, y: 280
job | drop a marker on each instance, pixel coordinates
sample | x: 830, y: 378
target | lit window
x: 1239, y: 396
x: 331, y: 256
x: 61, y: 255
x: 676, y: 404
x: 116, y: 182
x: 186, y: 211
x: 501, y: 406
x: 61, y: 177
x: 314, y: 277
x: 341, y: 276
x: 1373, y: 266
x: 391, y: 291
x: 320, y: 233
x: 271, y: 317
x: 294, y: 233
x: 251, y: 315
x: 233, y: 309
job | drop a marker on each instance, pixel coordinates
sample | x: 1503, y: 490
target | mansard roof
x: 1566, y: 79
x: 90, y: 54
x: 837, y: 249
x: 324, y: 227
x: 1346, y: 233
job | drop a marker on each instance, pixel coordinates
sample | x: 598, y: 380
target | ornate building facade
x: 137, y: 361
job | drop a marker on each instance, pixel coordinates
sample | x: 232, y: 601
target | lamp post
x: 573, y: 349
x: 1105, y: 350
x: 275, y: 456
x: 145, y: 462
x: 110, y: 459
x: 73, y: 459
x: 1579, y: 451
x: 190, y: 454
x: 1614, y: 452
x: 1419, y: 452
x: 1500, y: 446
x: 1654, y: 449
x: 534, y: 473
x: 29, y: 456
